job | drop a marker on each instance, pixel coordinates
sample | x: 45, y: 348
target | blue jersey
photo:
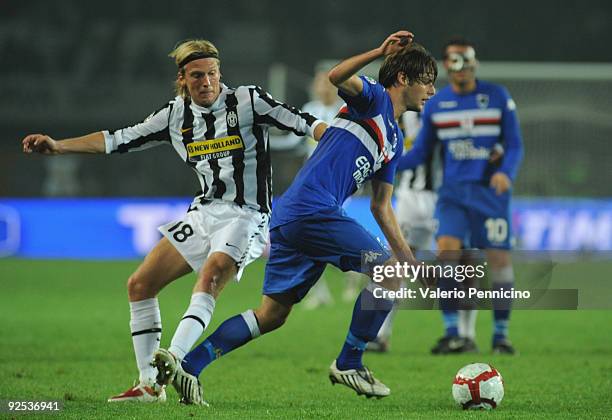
x: 363, y: 141
x: 468, y: 126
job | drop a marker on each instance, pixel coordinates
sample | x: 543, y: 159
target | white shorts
x: 219, y: 226
x: 415, y: 215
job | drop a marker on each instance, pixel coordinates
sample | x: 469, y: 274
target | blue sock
x: 449, y: 306
x: 501, y: 329
x: 451, y: 323
x: 501, y: 316
x: 231, y: 334
x: 365, y: 325
x: 501, y: 279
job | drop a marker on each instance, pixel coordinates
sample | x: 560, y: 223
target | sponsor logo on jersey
x: 213, y: 148
x: 370, y: 80
x: 465, y: 150
x: 363, y: 170
x: 447, y: 104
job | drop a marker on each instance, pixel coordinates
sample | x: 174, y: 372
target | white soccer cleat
x: 360, y: 380
x: 188, y: 387
x: 169, y: 370
x: 141, y: 393
x: 166, y: 364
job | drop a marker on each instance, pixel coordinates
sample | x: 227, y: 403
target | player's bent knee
x: 212, y: 283
x: 139, y: 289
x: 448, y: 243
x: 390, y: 283
x: 221, y: 264
x: 218, y: 267
x: 270, y: 320
x: 218, y: 270
x: 499, y: 259
x: 449, y: 248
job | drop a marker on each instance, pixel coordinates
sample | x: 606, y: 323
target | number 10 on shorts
x: 497, y: 230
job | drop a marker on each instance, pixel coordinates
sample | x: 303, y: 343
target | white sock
x: 145, y: 325
x: 251, y: 321
x: 384, y: 334
x: 193, y: 324
x: 321, y: 291
x: 467, y: 323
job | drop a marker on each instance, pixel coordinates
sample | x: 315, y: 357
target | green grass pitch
x: 65, y: 336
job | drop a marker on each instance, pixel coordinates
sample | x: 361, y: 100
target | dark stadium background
x: 71, y: 67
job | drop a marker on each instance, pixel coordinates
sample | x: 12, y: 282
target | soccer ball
x: 478, y: 386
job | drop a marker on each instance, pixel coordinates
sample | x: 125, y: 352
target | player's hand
x: 40, y: 143
x: 500, y: 182
x: 396, y: 42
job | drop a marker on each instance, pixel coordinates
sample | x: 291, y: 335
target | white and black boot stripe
x: 361, y: 381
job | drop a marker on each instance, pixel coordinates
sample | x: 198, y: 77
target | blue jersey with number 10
x: 363, y: 142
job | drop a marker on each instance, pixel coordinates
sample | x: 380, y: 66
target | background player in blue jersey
x: 468, y: 118
x: 309, y: 228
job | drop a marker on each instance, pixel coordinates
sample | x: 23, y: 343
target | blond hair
x: 183, y: 51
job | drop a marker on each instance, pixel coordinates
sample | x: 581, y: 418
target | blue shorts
x: 301, y: 249
x: 474, y: 214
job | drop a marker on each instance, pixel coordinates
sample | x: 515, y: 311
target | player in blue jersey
x: 469, y: 117
x: 309, y: 228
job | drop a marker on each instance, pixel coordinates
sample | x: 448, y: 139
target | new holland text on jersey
x: 213, y: 148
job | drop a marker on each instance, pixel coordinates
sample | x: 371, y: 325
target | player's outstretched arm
x: 41, y: 143
x: 343, y: 75
x: 381, y: 208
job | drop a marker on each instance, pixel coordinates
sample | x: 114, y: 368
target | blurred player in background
x: 309, y: 228
x: 416, y: 196
x: 325, y: 104
x: 222, y: 134
x: 468, y: 118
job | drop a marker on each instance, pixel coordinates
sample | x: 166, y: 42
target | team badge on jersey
x: 370, y: 80
x: 482, y: 100
x: 232, y: 119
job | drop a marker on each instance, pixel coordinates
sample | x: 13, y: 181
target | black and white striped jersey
x: 425, y: 177
x: 226, y: 144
